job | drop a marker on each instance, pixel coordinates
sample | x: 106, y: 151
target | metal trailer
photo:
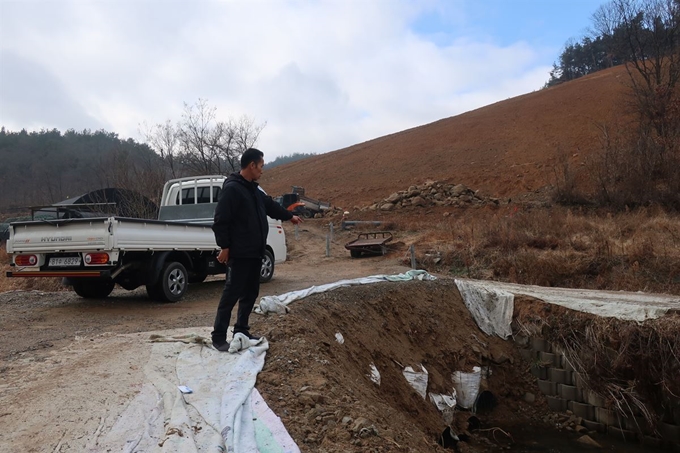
x: 372, y: 243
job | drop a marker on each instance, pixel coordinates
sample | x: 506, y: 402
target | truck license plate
x: 66, y: 261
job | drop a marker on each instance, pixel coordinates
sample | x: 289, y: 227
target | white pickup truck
x: 165, y: 255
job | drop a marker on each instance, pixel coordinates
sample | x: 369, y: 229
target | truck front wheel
x: 173, y: 282
x: 89, y: 288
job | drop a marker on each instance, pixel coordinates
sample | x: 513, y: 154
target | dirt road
x: 33, y: 321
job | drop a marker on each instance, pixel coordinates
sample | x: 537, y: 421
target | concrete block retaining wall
x: 565, y: 390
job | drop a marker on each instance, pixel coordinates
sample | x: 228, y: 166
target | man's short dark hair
x: 251, y: 155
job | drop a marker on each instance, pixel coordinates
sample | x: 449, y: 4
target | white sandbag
x: 467, y: 386
x: 417, y: 379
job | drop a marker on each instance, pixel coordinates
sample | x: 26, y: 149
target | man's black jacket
x: 241, y: 217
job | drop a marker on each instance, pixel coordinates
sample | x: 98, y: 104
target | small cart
x: 374, y: 243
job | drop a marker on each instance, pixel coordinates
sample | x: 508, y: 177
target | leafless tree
x: 651, y: 47
x: 201, y: 144
x: 163, y: 138
x: 644, y: 167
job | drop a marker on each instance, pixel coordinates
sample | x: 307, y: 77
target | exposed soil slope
x: 504, y: 149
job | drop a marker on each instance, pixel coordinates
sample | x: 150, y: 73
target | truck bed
x: 108, y: 233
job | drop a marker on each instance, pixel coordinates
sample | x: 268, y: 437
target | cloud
x: 322, y: 75
x: 31, y: 97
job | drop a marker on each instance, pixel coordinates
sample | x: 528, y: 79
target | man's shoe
x: 222, y: 348
x: 218, y: 344
x: 248, y: 334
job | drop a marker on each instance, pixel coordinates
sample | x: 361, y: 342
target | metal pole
x: 297, y: 234
x: 328, y: 245
x: 412, y: 249
x: 331, y: 225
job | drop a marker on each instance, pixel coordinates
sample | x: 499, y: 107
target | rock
x: 359, y: 424
x: 529, y: 397
x: 368, y: 432
x: 433, y: 193
x: 589, y: 441
x: 311, y: 398
x: 458, y: 190
x: 395, y: 197
x: 500, y: 358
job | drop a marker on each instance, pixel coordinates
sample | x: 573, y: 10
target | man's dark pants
x: 242, y: 286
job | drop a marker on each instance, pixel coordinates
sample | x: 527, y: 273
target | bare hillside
x: 504, y: 149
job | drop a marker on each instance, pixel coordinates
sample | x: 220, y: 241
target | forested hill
x: 281, y: 160
x: 49, y: 166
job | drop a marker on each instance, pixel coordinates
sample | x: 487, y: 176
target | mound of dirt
x: 322, y: 389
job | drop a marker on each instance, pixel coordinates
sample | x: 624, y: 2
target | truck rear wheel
x: 89, y: 288
x: 267, y: 269
x: 172, y: 283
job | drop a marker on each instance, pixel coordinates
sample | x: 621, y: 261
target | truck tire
x: 307, y: 214
x: 173, y: 282
x: 355, y: 253
x: 267, y: 269
x: 89, y: 288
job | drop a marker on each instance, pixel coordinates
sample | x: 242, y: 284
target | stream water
x: 529, y: 439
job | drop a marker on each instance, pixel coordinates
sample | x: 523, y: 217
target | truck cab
x: 193, y: 200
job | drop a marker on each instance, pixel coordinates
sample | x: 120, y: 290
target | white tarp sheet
x: 279, y: 304
x: 224, y: 411
x: 492, y: 303
x: 490, y: 307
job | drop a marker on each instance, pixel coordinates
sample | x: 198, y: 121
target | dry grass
x: 631, y: 251
x: 26, y: 284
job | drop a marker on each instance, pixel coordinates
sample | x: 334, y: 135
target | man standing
x: 241, y: 229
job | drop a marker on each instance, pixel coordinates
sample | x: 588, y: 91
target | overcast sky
x: 322, y: 75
